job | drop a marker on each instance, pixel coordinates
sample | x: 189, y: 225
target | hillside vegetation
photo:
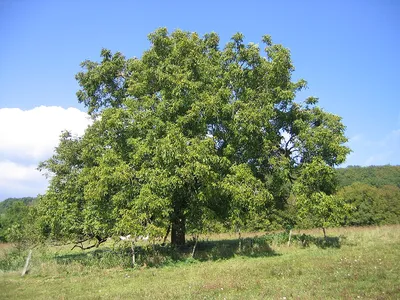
x: 373, y: 192
x: 377, y: 176
x: 7, y: 203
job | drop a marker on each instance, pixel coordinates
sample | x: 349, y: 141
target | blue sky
x: 346, y: 50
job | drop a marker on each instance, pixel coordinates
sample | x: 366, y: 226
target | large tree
x: 186, y: 134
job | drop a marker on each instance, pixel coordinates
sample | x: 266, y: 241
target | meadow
x: 352, y: 263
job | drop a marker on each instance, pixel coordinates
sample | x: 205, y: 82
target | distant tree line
x: 376, y: 176
x: 7, y: 203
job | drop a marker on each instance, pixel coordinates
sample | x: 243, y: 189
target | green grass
x: 364, y: 265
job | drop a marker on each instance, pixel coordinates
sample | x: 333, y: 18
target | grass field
x: 364, y: 264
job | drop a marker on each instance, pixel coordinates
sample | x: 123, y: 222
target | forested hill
x: 374, y: 175
x: 8, y: 202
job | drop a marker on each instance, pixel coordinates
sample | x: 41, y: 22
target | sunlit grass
x: 366, y: 266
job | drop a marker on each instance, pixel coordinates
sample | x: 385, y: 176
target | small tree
x: 315, y: 202
x: 321, y: 210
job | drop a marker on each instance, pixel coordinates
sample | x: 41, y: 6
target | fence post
x: 27, y: 263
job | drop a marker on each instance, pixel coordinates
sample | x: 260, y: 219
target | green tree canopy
x: 188, y: 133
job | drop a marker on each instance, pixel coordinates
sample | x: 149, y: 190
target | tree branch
x: 97, y: 244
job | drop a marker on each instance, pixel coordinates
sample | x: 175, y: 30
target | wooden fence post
x: 27, y: 263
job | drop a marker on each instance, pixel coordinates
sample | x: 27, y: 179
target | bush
x: 12, y: 260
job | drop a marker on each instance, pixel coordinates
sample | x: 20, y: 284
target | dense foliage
x: 371, y: 205
x: 186, y: 137
x: 373, y: 192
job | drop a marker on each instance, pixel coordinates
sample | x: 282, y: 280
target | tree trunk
x: 178, y: 231
x: 323, y: 229
x: 166, y: 235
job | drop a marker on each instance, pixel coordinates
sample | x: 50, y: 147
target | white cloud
x: 33, y: 134
x: 17, y: 180
x: 11, y: 171
x: 30, y: 136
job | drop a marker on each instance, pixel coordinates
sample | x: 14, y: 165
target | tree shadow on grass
x: 103, y: 258
x: 321, y: 242
x: 225, y: 249
x: 157, y: 255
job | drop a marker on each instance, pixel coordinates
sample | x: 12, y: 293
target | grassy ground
x: 364, y: 265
